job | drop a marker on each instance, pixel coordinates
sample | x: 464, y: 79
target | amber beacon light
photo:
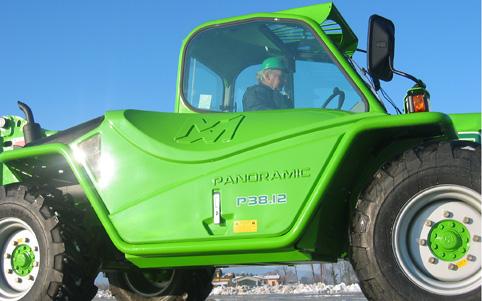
x: 417, y: 100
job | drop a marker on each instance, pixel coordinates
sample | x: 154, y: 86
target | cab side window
x: 205, y: 87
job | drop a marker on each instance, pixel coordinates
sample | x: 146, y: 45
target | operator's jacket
x: 261, y: 97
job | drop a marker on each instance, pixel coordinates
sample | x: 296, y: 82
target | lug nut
x: 19, y: 280
x: 36, y: 249
x: 471, y: 258
x: 15, y: 243
x: 476, y: 238
x: 27, y: 240
x: 467, y: 220
x: 36, y: 263
x: 31, y: 278
x: 428, y: 223
x: 10, y: 271
x: 8, y: 256
x: 453, y: 267
x: 448, y: 214
x: 432, y: 260
x: 422, y: 242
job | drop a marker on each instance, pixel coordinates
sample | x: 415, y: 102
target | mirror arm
x: 406, y: 75
x: 376, y: 83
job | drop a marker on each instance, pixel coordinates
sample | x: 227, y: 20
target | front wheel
x: 416, y: 233
x: 44, y: 251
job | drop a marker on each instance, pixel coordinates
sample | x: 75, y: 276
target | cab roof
x: 331, y: 22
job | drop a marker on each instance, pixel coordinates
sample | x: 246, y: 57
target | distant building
x: 252, y: 281
x: 222, y: 280
x: 249, y: 281
x: 272, y: 280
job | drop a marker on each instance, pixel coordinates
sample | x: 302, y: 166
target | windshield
x: 264, y: 65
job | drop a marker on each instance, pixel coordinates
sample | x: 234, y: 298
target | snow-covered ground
x: 103, y: 295
x: 289, y: 289
x: 292, y: 289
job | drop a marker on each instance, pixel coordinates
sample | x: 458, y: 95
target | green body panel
x: 288, y: 256
x: 251, y: 161
x: 467, y: 126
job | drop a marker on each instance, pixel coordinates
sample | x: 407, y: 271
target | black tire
x: 372, y: 246
x: 200, y: 284
x: 67, y: 270
x: 192, y: 285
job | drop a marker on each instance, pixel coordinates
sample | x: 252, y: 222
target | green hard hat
x: 274, y: 62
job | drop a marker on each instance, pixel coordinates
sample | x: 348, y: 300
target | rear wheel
x: 161, y: 284
x: 417, y: 228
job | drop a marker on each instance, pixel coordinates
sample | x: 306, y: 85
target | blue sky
x: 72, y: 61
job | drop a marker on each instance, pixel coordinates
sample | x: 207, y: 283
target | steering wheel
x: 341, y: 98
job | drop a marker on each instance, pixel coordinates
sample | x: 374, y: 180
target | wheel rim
x: 20, y: 261
x: 149, y: 283
x: 436, y: 240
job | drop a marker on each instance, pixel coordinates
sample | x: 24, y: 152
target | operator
x: 266, y: 94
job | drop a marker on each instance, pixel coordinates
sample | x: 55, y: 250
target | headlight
x: 88, y: 152
x: 100, y: 164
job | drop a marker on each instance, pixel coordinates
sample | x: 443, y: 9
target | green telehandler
x: 279, y: 151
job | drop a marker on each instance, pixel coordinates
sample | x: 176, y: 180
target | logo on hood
x: 211, y: 131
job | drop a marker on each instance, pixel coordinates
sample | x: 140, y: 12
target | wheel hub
x: 23, y: 259
x: 449, y: 240
x: 437, y: 239
x: 20, y: 258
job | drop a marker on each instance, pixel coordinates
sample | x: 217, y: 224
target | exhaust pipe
x: 31, y: 130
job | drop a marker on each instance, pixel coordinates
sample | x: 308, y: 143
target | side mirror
x: 381, y: 47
